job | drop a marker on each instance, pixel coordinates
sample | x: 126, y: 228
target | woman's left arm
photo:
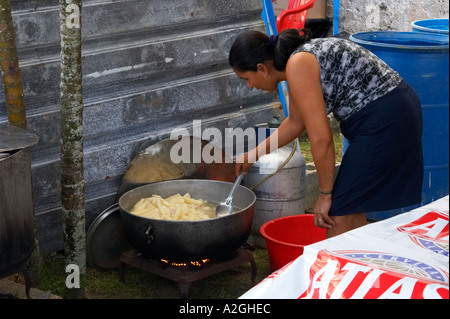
x: 307, y: 106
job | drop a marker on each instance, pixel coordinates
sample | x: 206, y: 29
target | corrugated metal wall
x: 148, y: 66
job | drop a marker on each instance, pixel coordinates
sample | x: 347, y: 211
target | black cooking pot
x: 188, y: 240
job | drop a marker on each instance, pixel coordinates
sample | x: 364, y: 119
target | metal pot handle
x: 149, y: 235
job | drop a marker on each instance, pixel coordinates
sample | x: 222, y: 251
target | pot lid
x: 14, y: 138
x: 106, y: 240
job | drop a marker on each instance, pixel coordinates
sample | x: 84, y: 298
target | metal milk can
x: 283, y: 194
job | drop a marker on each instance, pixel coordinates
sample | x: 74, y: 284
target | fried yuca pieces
x: 175, y: 207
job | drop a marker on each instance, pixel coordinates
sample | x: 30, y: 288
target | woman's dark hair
x: 253, y: 47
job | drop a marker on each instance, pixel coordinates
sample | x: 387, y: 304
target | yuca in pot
x: 175, y: 207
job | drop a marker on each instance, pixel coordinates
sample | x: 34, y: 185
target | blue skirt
x: 382, y: 168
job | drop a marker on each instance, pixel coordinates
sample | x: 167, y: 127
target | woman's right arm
x: 288, y: 131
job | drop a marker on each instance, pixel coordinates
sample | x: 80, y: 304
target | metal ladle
x: 226, y: 207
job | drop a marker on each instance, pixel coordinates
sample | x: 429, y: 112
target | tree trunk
x: 15, y: 106
x: 72, y: 180
x: 10, y: 68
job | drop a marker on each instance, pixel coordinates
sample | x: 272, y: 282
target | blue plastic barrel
x: 437, y: 26
x: 422, y: 60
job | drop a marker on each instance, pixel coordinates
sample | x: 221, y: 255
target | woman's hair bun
x: 254, y: 47
x: 288, y: 41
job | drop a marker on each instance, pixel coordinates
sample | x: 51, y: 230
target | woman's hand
x: 321, y: 209
x: 245, y: 161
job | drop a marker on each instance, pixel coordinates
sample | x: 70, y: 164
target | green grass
x: 137, y: 284
x: 305, y: 147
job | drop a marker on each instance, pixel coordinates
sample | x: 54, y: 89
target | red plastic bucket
x: 286, y: 236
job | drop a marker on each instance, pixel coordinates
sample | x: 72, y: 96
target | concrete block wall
x: 384, y: 15
x: 148, y: 66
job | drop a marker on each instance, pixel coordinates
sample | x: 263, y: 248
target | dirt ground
x: 13, y: 287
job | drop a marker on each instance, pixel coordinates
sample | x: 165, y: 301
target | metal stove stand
x: 185, y: 277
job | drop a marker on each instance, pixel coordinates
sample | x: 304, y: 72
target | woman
x: 379, y: 114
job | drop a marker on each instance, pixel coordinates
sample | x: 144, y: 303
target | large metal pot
x: 188, y: 240
x: 17, y: 220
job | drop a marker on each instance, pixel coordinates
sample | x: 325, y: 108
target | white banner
x: 403, y: 257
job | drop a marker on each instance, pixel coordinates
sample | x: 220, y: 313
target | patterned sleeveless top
x: 351, y: 76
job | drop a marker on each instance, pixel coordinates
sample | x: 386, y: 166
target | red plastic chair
x: 295, y: 15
